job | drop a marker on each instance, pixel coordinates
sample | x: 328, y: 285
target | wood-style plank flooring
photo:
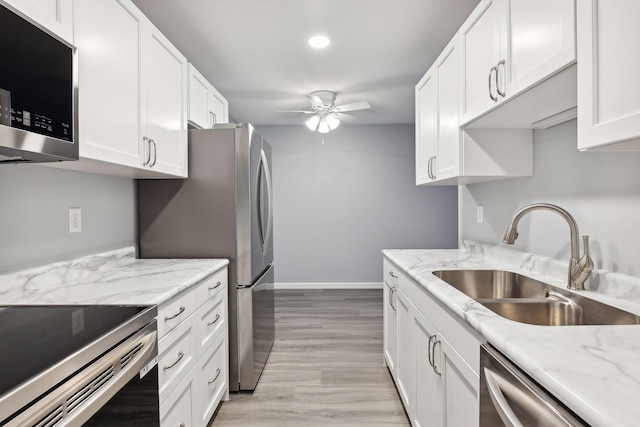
x: 326, y: 366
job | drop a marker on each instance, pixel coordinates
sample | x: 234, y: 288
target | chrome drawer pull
x: 180, y: 356
x: 392, y: 274
x: 215, y: 287
x: 214, y: 320
x: 217, y: 375
x: 175, y: 315
x: 182, y: 425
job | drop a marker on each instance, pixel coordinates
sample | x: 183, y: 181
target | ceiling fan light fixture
x: 312, y: 122
x: 323, y: 127
x: 332, y: 121
x: 319, y: 42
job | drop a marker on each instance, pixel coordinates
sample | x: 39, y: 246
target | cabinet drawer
x: 390, y: 272
x: 175, y: 311
x: 176, y: 411
x: 210, y: 319
x: 210, y: 381
x: 176, y: 357
x: 211, y: 286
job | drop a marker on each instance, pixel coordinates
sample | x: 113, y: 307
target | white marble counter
x: 115, y: 277
x: 594, y: 370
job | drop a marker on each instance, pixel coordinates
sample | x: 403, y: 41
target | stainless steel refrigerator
x: 223, y: 210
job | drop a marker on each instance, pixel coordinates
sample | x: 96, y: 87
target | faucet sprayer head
x: 510, y: 236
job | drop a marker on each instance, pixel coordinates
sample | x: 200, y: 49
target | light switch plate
x: 480, y: 214
x: 75, y: 220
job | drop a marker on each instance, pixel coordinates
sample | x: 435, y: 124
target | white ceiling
x: 255, y: 52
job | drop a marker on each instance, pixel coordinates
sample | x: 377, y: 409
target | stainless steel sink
x: 493, y: 284
x: 527, y: 300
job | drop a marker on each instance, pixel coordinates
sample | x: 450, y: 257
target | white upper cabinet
x: 54, y: 15
x: 510, y: 49
x: 110, y: 93
x: 132, y: 94
x: 448, y: 155
x: 207, y: 106
x: 165, y: 104
x: 608, y: 74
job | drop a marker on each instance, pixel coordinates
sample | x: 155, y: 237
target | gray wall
x: 338, y: 204
x: 601, y: 190
x: 34, y: 226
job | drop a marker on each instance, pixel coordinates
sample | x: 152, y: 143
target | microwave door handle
x: 505, y: 412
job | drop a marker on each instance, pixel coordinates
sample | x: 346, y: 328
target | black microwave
x: 38, y: 86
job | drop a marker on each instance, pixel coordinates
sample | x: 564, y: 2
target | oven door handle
x: 97, y: 383
x: 505, y: 412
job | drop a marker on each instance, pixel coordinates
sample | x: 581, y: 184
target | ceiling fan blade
x: 316, y: 101
x: 345, y: 117
x: 296, y: 111
x: 360, y: 105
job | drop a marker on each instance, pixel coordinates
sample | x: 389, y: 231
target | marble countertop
x: 110, y: 278
x: 594, y: 370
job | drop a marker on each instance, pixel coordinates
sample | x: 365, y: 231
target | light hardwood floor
x: 326, y: 366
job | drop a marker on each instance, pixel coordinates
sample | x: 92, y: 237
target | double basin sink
x: 523, y: 299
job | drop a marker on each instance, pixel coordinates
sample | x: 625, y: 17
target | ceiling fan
x: 326, y: 115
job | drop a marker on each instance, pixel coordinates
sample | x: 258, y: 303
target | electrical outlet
x: 75, y: 220
x: 480, y: 214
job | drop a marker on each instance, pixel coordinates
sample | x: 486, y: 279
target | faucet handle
x: 584, y: 268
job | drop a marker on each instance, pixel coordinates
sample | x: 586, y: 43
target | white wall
x: 601, y: 190
x: 34, y: 217
x: 338, y: 204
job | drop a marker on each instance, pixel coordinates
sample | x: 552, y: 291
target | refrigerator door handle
x: 264, y: 177
x: 267, y: 173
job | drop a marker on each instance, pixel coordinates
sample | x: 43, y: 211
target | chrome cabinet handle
x: 500, y: 92
x: 430, y: 168
x: 214, y: 320
x: 430, y: 351
x: 175, y: 315
x: 180, y: 356
x: 182, y: 425
x: 435, y: 367
x: 147, y: 148
x: 216, y: 286
x: 392, y: 274
x: 217, y: 375
x: 505, y: 412
x: 155, y: 153
x: 214, y: 118
x: 393, y: 291
x: 495, y: 68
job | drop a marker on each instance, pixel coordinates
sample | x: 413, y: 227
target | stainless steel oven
x: 508, y: 397
x: 78, y: 365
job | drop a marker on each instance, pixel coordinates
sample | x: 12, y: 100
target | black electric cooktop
x: 33, y: 338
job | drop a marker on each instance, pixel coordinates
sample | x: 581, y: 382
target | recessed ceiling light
x: 319, y: 42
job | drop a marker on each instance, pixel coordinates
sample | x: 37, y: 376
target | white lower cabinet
x: 390, y: 318
x: 438, y: 358
x: 193, y: 366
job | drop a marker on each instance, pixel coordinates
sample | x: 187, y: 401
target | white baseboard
x: 329, y: 285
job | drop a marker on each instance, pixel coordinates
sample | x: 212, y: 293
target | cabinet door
x: 540, y: 41
x: 479, y: 39
x: 109, y: 70
x: 54, y: 15
x: 608, y: 84
x: 218, y: 107
x: 447, y: 164
x: 165, y: 78
x: 429, y: 409
x: 426, y: 127
x: 461, y: 387
x: 198, y: 99
x: 406, y: 367
x: 210, y: 377
x: 177, y: 410
x: 390, y: 321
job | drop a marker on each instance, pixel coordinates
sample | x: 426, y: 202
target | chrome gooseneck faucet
x: 579, y: 268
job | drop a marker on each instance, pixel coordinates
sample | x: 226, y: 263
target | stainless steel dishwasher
x: 508, y: 397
